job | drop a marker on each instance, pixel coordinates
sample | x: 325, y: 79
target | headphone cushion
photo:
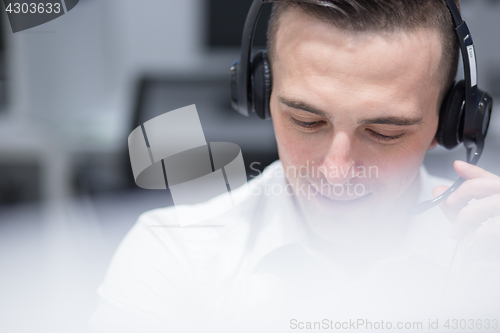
x: 451, y: 117
x: 261, y: 84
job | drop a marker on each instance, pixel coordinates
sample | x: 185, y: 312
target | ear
x: 433, y: 144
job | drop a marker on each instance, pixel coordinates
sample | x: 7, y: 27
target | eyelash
x: 385, y: 137
x: 306, y: 124
x: 314, y: 124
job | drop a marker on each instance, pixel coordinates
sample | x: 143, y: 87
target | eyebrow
x: 302, y: 106
x: 389, y: 120
x: 392, y: 120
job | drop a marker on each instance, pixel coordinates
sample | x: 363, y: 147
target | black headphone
x: 464, y: 115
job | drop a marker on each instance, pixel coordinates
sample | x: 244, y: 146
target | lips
x: 349, y: 203
x: 348, y: 192
x: 339, y: 198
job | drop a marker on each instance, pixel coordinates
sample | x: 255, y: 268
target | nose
x: 338, y: 165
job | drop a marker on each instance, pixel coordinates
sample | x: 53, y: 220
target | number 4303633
x: 33, y: 8
x: 478, y: 324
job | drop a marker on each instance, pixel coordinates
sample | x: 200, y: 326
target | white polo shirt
x: 252, y: 269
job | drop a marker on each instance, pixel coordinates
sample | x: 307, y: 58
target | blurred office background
x: 71, y: 91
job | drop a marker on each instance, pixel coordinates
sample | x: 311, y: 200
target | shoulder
x: 161, y: 267
x: 257, y: 190
x: 163, y: 226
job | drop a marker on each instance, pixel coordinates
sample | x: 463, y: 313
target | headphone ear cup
x: 261, y: 84
x: 451, y: 117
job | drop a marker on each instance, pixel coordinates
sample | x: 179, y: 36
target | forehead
x: 322, y: 59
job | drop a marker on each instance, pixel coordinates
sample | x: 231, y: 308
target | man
x: 357, y: 88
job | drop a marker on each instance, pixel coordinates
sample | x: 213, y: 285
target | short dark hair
x: 380, y: 15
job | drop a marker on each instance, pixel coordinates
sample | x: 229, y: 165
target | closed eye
x: 307, y: 124
x: 382, y: 137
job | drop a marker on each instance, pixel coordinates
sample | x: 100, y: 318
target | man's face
x: 358, y: 111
